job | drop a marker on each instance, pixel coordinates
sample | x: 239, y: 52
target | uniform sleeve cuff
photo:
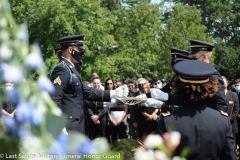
x: 148, y: 95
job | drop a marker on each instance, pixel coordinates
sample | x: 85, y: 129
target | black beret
x: 193, y: 71
x: 179, y: 55
x: 197, y: 46
x: 73, y: 40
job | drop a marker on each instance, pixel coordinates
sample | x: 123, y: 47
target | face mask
x: 159, y: 86
x: 78, y: 66
x: 237, y: 89
x: 77, y: 55
x: 8, y: 88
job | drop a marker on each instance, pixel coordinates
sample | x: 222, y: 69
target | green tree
x: 50, y: 20
x: 136, y: 31
x: 181, y: 24
x: 122, y: 41
x: 222, y: 21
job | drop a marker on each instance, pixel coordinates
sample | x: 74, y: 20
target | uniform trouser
x: 97, y: 130
x: 118, y: 131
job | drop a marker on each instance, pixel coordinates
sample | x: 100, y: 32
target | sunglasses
x: 109, y: 83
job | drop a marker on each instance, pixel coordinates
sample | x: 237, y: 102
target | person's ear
x: 204, y: 57
x: 70, y: 49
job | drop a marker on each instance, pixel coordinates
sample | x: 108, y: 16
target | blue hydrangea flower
x: 13, y: 96
x: 60, y: 145
x: 26, y: 112
x: 34, y: 61
x: 86, y: 147
x: 11, y: 74
x: 11, y: 123
x: 63, y: 138
x: 57, y: 148
x: 44, y: 84
x: 36, y: 117
x: 23, y: 112
x: 24, y: 132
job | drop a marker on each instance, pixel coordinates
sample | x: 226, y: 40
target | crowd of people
x: 197, y: 101
x: 137, y: 122
x: 121, y: 120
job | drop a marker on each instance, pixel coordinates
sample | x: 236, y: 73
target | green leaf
x: 55, y: 124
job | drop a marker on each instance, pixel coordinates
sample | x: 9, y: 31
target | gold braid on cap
x: 200, y: 46
x: 182, y: 59
x: 198, y: 80
x: 71, y: 41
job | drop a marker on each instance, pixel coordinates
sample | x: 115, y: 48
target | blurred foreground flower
x: 5, y: 53
x: 158, y: 148
x: 34, y: 60
x: 60, y: 145
x: 26, y: 112
x: 152, y: 141
x: 44, y: 84
x: 12, y: 74
x: 13, y: 96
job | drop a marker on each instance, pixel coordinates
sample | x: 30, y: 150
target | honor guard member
x: 70, y: 89
x: 59, y: 52
x: 206, y: 133
x: 177, y: 55
x: 201, y: 51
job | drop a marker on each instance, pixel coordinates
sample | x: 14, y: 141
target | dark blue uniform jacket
x: 206, y: 132
x: 70, y: 96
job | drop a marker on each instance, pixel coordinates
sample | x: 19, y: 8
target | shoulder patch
x: 224, y: 113
x: 57, y: 80
x: 166, y: 114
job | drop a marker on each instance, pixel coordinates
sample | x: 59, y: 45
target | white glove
x: 142, y: 96
x: 110, y: 104
x: 158, y: 94
x: 150, y: 102
x: 121, y: 92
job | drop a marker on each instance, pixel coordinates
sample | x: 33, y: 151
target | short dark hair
x: 156, y: 79
x: 236, y: 81
x: 130, y: 81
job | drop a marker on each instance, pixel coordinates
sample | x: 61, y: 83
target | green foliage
x: 124, y: 147
x: 122, y: 41
x: 222, y: 21
x: 181, y: 24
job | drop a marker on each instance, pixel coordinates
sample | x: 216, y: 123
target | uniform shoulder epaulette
x: 166, y: 114
x: 224, y: 113
x: 62, y: 63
